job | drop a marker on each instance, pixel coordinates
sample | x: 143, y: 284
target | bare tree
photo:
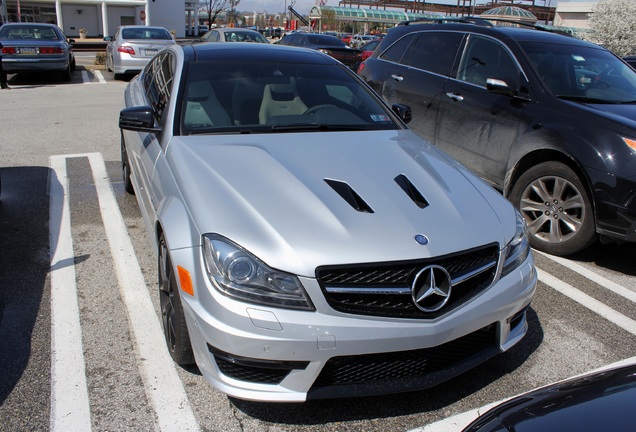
x: 613, y: 23
x: 215, y: 7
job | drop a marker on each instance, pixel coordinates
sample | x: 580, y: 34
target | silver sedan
x: 309, y: 244
x: 34, y: 47
x: 133, y: 46
x: 230, y: 34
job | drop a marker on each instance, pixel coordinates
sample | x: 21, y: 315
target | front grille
x: 384, y: 289
x: 414, y: 369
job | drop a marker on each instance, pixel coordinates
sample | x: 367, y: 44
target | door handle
x: 397, y: 77
x: 455, y: 96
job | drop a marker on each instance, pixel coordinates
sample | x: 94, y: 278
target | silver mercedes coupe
x: 309, y: 244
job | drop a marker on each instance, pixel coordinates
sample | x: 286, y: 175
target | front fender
x: 176, y: 224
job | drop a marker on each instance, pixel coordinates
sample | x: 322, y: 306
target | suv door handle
x: 455, y: 96
x: 397, y: 77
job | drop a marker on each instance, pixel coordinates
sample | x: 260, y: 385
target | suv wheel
x: 556, y: 207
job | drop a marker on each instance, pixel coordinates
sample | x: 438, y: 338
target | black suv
x: 548, y: 119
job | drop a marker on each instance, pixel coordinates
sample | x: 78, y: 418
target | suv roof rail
x: 483, y: 21
x: 449, y: 20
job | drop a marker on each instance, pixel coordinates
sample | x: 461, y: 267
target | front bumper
x: 615, y: 205
x: 270, y: 354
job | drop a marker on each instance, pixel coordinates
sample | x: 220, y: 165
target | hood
x: 301, y: 200
x: 623, y: 113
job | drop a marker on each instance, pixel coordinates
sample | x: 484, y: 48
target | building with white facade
x: 573, y: 14
x: 101, y: 17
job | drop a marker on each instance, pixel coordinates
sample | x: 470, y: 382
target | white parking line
x: 161, y: 383
x: 594, y: 277
x: 69, y: 395
x: 589, y: 302
x: 86, y: 79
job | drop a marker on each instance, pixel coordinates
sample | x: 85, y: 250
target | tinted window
x: 485, y: 58
x: 398, y: 49
x: 435, y: 52
x: 580, y: 71
x: 157, y: 80
x: 145, y: 33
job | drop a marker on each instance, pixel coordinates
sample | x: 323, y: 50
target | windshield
x: 582, y: 73
x: 242, y: 97
x: 238, y: 36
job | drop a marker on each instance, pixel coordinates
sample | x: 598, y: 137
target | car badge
x: 421, y: 239
x: 431, y: 288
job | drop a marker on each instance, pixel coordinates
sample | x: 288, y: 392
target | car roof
x: 29, y: 24
x: 482, y: 26
x: 253, y: 52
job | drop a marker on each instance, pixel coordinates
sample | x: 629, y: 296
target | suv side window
x: 435, y: 52
x: 158, y: 77
x: 485, y: 58
x: 397, y: 51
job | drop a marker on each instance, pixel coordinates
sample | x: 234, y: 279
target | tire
x: 118, y: 76
x: 556, y: 207
x: 174, y: 324
x: 67, y: 73
x: 125, y: 167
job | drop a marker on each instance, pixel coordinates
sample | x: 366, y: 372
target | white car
x: 132, y: 47
x: 309, y: 244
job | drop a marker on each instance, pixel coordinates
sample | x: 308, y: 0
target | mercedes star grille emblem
x: 431, y: 288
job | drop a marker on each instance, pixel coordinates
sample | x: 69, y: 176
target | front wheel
x: 557, y: 208
x: 174, y: 324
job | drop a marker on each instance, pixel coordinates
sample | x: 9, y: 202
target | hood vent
x: 349, y: 195
x: 411, y: 191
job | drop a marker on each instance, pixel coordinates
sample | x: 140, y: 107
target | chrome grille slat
x: 384, y: 289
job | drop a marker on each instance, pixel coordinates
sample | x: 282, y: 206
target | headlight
x: 518, y: 248
x: 240, y: 275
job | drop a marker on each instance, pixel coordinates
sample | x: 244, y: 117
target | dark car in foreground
x: 305, y: 237
x: 548, y: 119
x: 327, y: 44
x: 596, y: 402
x: 36, y: 48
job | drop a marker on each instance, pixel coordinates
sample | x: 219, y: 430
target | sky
x: 303, y: 6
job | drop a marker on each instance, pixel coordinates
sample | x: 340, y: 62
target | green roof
x: 375, y: 15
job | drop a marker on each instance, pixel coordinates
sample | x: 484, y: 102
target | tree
x: 613, y: 23
x: 215, y: 7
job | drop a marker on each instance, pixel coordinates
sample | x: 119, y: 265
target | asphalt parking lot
x: 582, y: 317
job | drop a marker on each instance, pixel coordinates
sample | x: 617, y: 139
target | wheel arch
x: 545, y: 155
x: 175, y: 223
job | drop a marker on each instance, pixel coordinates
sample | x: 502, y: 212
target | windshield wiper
x: 311, y: 127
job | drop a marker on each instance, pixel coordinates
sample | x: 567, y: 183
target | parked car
x: 548, y: 119
x: 132, y: 47
x: 358, y: 40
x: 228, y: 34
x: 599, y: 401
x: 368, y: 48
x: 346, y: 38
x: 330, y: 45
x: 36, y: 48
x: 304, y: 234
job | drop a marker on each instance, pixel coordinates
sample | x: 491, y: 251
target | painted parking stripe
x: 69, y: 395
x: 162, y: 383
x: 594, y: 277
x: 86, y: 78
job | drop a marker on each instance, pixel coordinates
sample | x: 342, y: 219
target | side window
x: 435, y: 52
x: 158, y: 76
x: 214, y: 36
x: 397, y: 51
x: 485, y: 58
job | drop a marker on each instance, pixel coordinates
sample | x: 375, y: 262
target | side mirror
x: 71, y: 41
x: 139, y: 119
x: 108, y: 38
x: 498, y: 86
x: 403, y: 112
